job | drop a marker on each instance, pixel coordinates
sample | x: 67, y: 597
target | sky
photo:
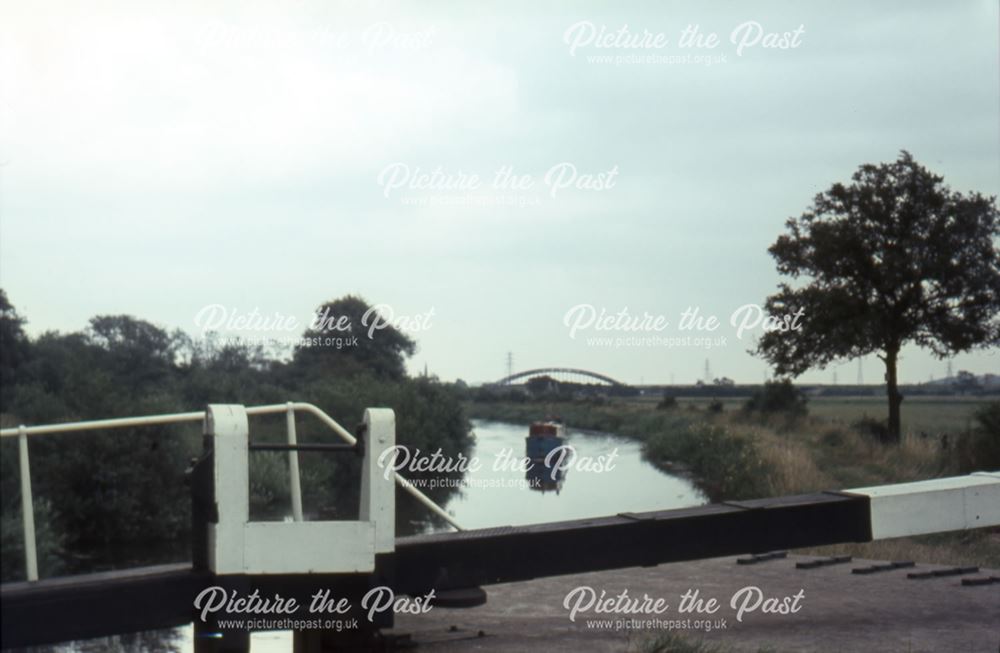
x: 493, y: 175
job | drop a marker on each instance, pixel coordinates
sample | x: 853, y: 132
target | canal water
x: 605, y: 474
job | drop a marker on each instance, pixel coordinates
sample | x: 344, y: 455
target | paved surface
x: 838, y: 612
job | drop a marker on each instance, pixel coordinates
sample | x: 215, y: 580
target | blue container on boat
x: 542, y: 438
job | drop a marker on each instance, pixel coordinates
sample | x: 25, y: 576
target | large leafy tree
x: 137, y: 351
x: 342, y: 340
x: 894, y: 257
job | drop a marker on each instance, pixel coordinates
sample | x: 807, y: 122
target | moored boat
x: 543, y: 437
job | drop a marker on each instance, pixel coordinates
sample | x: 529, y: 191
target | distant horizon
x: 415, y: 365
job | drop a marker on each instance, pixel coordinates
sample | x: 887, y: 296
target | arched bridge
x: 559, y: 370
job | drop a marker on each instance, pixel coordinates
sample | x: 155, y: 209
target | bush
x: 778, y: 397
x: 832, y: 438
x: 428, y: 416
x: 104, y: 498
x: 47, y: 541
x: 873, y: 428
x: 979, y: 449
x: 726, y: 463
x: 667, y: 403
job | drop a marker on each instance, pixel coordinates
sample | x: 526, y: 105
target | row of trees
x: 102, y: 496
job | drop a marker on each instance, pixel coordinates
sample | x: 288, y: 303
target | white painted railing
x: 290, y: 408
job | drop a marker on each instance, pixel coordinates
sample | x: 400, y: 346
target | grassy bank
x: 724, y: 463
x: 732, y: 455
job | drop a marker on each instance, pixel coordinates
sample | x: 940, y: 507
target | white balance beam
x: 934, y: 506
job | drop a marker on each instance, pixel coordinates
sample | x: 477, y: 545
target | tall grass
x: 726, y: 462
x: 810, y: 455
x: 735, y: 455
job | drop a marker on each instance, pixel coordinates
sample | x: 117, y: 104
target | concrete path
x: 837, y: 611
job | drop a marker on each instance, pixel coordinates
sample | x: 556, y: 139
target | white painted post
x: 228, y: 426
x: 293, y: 464
x: 378, y: 489
x: 27, y: 506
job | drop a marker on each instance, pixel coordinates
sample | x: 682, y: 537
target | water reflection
x: 606, y: 475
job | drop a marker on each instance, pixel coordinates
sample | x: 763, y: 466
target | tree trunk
x: 895, y: 399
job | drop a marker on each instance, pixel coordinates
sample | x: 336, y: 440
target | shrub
x: 667, y: 403
x: 979, y: 448
x: 727, y: 464
x: 778, y: 397
x: 832, y: 438
x: 47, y: 541
x: 873, y: 428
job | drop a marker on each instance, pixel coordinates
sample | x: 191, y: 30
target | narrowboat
x: 543, y: 437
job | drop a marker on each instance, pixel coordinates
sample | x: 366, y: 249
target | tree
x: 137, y: 352
x: 541, y: 384
x: 15, y: 348
x: 966, y: 382
x: 349, y: 337
x: 895, y: 257
x: 103, y: 492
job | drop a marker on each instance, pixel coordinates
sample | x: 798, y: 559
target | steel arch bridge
x: 560, y: 370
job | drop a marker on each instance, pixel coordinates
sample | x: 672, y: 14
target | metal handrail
x: 27, y: 503
x: 93, y: 425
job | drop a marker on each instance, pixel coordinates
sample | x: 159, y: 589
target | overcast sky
x: 158, y: 158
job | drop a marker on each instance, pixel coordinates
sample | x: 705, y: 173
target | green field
x: 928, y: 414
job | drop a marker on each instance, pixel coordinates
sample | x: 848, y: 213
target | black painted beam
x: 78, y: 607
x: 502, y: 555
x: 95, y: 605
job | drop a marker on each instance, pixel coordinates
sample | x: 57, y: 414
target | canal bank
x: 733, y: 455
x: 724, y: 462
